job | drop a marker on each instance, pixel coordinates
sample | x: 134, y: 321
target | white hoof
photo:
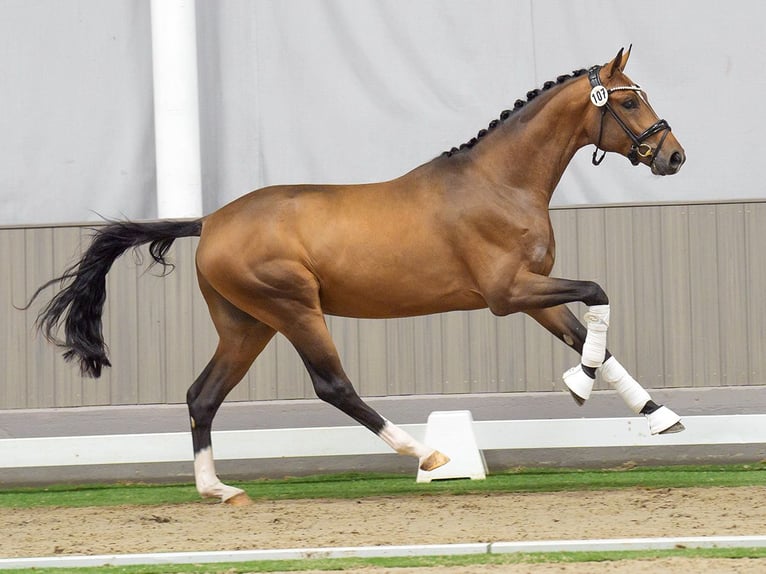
x: 661, y: 420
x: 578, y: 383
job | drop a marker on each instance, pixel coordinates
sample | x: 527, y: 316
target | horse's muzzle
x: 670, y: 162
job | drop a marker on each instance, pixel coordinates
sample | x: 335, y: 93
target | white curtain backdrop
x: 359, y: 91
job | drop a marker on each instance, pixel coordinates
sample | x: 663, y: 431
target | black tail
x: 80, y: 303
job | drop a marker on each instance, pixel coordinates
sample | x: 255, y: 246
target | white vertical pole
x: 176, y: 108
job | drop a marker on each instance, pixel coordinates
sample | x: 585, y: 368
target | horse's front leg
x: 531, y: 291
x: 544, y: 298
x: 560, y: 321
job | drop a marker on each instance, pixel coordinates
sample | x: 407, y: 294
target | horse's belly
x: 390, y: 300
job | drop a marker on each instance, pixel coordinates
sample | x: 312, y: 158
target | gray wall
x: 686, y: 285
x: 352, y: 91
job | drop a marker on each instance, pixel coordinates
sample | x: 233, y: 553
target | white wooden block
x: 451, y: 432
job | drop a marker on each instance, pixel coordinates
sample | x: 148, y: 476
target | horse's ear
x: 620, y: 61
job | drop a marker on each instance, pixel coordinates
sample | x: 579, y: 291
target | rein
x: 599, y: 95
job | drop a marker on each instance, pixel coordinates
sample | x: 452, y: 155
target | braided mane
x: 505, y: 114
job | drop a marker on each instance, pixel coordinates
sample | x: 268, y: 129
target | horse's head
x: 626, y: 122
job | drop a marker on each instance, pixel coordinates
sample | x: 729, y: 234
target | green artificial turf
x: 367, y: 485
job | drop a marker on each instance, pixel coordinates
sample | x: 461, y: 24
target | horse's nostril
x: 676, y: 159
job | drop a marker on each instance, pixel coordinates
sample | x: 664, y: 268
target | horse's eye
x: 629, y: 104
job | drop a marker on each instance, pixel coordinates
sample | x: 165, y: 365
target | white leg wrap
x: 403, y: 443
x: 594, y: 348
x: 208, y: 483
x: 634, y: 395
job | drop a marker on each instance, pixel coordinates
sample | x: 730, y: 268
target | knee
x: 593, y: 294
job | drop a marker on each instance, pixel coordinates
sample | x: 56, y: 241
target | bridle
x: 599, y: 95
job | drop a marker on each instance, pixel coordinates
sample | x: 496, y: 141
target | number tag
x: 599, y: 96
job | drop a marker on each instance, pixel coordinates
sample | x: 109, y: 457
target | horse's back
x: 370, y: 250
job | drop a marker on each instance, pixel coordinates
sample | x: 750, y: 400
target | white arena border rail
x: 355, y: 440
x: 530, y: 546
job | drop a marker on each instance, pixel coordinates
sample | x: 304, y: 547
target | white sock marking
x: 402, y: 442
x: 208, y: 483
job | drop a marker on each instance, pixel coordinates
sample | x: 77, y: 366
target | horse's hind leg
x: 241, y: 339
x: 563, y: 324
x: 309, y: 335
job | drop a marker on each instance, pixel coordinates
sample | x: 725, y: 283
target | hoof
x: 678, y: 427
x: 434, y: 461
x: 579, y: 400
x: 664, y: 421
x: 579, y: 384
x: 241, y: 499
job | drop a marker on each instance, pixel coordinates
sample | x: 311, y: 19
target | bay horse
x: 469, y: 229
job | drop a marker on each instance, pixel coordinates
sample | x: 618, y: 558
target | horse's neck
x: 533, y: 149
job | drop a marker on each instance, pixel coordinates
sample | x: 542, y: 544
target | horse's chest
x: 504, y: 241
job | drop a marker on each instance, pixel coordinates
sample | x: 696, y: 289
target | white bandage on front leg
x: 594, y: 348
x: 634, y: 395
